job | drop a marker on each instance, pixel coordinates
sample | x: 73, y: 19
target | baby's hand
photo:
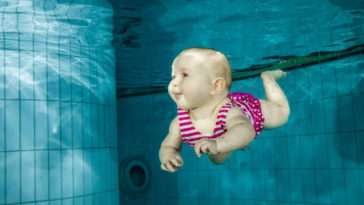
x: 172, y: 163
x: 205, y: 146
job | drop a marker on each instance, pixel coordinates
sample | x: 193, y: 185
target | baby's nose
x: 174, y: 82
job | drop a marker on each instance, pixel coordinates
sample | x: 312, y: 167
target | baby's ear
x: 218, y: 86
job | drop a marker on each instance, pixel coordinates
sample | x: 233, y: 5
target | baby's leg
x: 275, y: 109
x: 219, y: 158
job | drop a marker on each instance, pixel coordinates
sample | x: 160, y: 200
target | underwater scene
x: 94, y: 95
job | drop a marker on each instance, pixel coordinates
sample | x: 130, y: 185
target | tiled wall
x: 316, y: 158
x: 57, y: 103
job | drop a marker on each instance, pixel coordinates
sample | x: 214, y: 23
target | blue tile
x: 86, y: 89
x: 359, y: 111
x: 88, y: 171
x: 39, y: 76
x: 12, y: 125
x: 79, y: 200
x: 101, y: 125
x: 203, y: 184
x: 76, y: 81
x: 270, y: 182
x: 2, y: 75
x: 26, y: 75
x: 27, y: 176
x: 349, y: 150
x: 41, y: 128
x: 76, y: 125
x: 352, y: 186
x: 309, y: 186
x: 53, y: 79
x: 302, y: 84
x: 334, y: 147
x: 360, y: 147
x: 240, y: 201
x: 41, y: 175
x: 338, y: 186
x: 323, y: 188
x: 281, y: 153
x: 171, y: 188
x: 357, y: 78
x: 88, y: 199
x: 361, y: 182
x: 103, y: 166
x: 247, y: 184
x: 318, y: 116
x: 236, y: 183
x: 214, y: 179
x: 65, y: 79
x: 67, y: 178
x: 345, y: 107
x: 65, y: 123
x: 315, y: 91
x: 329, y: 81
x: 27, y: 125
x: 244, y: 159
x: 56, y: 202
x: 331, y: 115
x: 86, y: 125
x: 295, y: 179
x: 70, y: 201
x: 53, y: 125
x: 55, y: 174
x: 95, y: 126
x: 225, y: 184
x: 294, y: 153
x: 2, y: 125
x: 344, y: 80
x: 290, y: 86
x: 78, y: 172
x: 2, y: 177
x: 320, y: 151
x: 292, y: 123
x: 258, y: 185
x: 12, y: 79
x: 12, y: 177
x: 258, y: 155
x: 304, y: 118
x: 283, y: 186
x: 307, y: 148
x: 268, y: 153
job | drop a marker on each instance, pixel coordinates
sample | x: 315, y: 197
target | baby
x: 210, y: 119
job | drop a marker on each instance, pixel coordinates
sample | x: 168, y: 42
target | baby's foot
x: 275, y: 74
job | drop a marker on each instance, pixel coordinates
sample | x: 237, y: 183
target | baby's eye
x: 185, y: 74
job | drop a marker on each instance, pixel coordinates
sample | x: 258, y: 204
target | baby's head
x: 199, y: 74
x: 213, y: 61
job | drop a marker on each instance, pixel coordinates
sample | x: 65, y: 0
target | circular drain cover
x: 134, y: 176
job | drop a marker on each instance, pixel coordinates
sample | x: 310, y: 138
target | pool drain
x: 134, y: 176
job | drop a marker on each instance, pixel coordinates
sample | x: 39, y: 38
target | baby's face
x: 191, y: 82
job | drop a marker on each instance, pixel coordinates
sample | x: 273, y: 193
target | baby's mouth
x: 177, y: 95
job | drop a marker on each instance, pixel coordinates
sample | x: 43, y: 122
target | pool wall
x: 316, y: 158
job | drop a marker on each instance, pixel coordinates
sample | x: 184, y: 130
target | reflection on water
x: 57, y: 102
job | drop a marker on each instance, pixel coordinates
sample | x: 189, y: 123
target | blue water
x: 316, y: 158
x: 57, y: 103
x: 64, y: 136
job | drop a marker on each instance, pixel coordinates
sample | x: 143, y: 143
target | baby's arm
x: 170, y: 149
x: 240, y: 132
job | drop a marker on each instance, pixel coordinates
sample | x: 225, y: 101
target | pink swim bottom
x: 250, y: 107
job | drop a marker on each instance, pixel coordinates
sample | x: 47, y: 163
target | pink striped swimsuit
x: 249, y: 105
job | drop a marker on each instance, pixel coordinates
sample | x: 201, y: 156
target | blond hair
x: 216, y: 60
